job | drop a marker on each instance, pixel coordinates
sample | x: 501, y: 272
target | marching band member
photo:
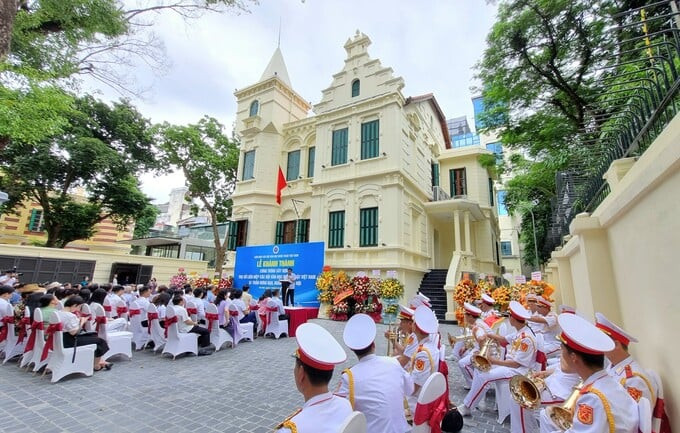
x: 489, y: 314
x: 376, y: 385
x: 317, y: 354
x: 623, y: 367
x: 545, y: 322
x: 520, y: 357
x: 425, y: 360
x: 403, y: 352
x: 418, y: 300
x: 479, y: 330
x: 603, y: 405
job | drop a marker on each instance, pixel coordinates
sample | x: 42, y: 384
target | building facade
x: 372, y: 174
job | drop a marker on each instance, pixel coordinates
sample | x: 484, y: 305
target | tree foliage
x: 85, y: 174
x: 209, y: 161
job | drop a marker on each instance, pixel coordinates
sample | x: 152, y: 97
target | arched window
x: 254, y: 107
x: 356, y: 84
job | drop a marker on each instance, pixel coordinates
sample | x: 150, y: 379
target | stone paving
x: 248, y: 389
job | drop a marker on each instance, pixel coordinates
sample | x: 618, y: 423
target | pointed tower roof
x: 277, y: 68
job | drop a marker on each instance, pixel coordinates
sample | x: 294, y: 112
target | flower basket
x: 324, y: 283
x: 340, y: 311
x: 484, y: 287
x: 391, y: 288
x: 179, y: 279
x: 466, y: 291
x: 502, y: 297
x: 361, y: 289
x: 224, y: 283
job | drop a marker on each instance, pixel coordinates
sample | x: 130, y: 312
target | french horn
x: 563, y: 416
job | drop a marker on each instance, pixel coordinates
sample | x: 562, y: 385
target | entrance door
x: 130, y: 273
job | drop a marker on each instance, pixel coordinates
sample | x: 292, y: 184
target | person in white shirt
x: 376, y: 385
x: 545, y: 323
x: 200, y: 306
x: 279, y: 304
x: 5, y: 309
x: 143, y: 303
x: 244, y: 315
x: 289, y: 287
x: 425, y: 360
x: 317, y: 354
x: 185, y: 324
x: 72, y: 336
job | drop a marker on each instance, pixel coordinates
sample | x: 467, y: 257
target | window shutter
x: 369, y: 139
x: 490, y: 192
x: 34, y: 219
x: 339, y: 147
x: 301, y: 231
x: 435, y: 174
x: 233, y: 235
x: 293, y: 168
x: 278, y: 239
x: 310, y: 161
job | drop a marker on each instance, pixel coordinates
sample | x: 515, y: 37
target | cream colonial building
x: 370, y: 174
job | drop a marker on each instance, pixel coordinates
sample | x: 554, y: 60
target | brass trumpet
x: 480, y: 360
x: 563, y: 416
x: 466, y: 337
x: 526, y: 390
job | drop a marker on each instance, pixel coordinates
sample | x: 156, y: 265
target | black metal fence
x: 641, y: 97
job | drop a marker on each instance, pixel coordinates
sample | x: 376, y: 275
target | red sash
x: 432, y: 413
x: 23, y: 324
x: 150, y: 317
x: 4, y: 330
x: 210, y: 317
x: 233, y: 313
x: 135, y: 312
x: 169, y: 321
x: 121, y: 310
x: 107, y: 308
x: 31, y: 338
x: 192, y: 310
x: 49, y: 340
x: 99, y: 320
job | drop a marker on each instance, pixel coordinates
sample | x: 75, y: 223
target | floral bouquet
x: 339, y: 311
x: 518, y: 292
x: 200, y: 282
x: 484, y: 287
x: 362, y: 286
x: 502, y: 297
x: 224, y: 283
x: 180, y: 279
x: 391, y: 288
x: 466, y: 291
x: 541, y: 288
x: 324, y: 283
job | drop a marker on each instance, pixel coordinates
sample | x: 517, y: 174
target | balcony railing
x: 438, y: 194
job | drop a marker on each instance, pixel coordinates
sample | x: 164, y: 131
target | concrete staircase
x: 432, y: 286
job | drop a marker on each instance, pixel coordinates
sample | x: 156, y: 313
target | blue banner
x: 262, y: 266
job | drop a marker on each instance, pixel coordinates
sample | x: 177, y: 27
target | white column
x: 456, y: 229
x: 468, y: 240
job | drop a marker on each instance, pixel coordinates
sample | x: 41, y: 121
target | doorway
x: 131, y: 273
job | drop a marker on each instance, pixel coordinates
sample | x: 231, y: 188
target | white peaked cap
x: 488, y: 299
x: 425, y: 320
x: 317, y: 348
x: 613, y: 330
x: 472, y: 310
x: 581, y: 335
x: 518, y: 311
x: 359, y: 332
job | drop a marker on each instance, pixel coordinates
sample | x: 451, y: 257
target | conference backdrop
x: 262, y: 266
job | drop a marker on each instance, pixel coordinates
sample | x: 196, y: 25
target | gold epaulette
x: 287, y: 423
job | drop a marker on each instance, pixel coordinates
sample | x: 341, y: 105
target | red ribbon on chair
x: 265, y: 321
x: 121, y: 310
x: 169, y: 321
x: 210, y: 317
x: 135, y: 312
x: 149, y: 318
x: 30, y: 344
x: 99, y: 320
x: 233, y: 313
x: 254, y: 307
x: 192, y: 310
x: 432, y: 413
x: 49, y: 340
x: 107, y: 308
x: 88, y: 316
x: 23, y: 324
x: 541, y: 359
x: 4, y: 330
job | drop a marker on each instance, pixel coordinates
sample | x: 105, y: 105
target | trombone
x: 563, y: 416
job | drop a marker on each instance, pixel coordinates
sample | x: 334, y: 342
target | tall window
x: 336, y: 229
x: 254, y: 108
x: 288, y: 232
x: 497, y: 149
x: 369, y: 139
x: 339, y: 147
x: 491, y: 192
x: 506, y: 248
x: 502, y: 208
x: 248, y: 165
x: 310, y: 161
x: 238, y: 233
x: 302, y: 231
x: 356, y: 87
x: 368, y: 227
x: 435, y: 174
x: 293, y: 167
x: 36, y: 223
x: 458, y: 182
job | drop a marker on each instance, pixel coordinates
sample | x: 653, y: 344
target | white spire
x: 277, y: 68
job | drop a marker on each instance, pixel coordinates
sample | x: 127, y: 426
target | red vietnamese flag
x: 280, y: 184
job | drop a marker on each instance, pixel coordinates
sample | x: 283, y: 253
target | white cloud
x: 432, y: 44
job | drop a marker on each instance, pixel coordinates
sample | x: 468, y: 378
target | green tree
x: 209, y: 160
x: 85, y: 174
x: 145, y: 221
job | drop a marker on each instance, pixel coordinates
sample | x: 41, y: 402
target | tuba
x: 480, y: 361
x: 526, y: 390
x: 563, y: 416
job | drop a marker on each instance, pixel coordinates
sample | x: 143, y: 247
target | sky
x: 432, y: 44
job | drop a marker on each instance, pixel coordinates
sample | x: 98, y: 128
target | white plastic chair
x: 218, y: 336
x: 192, y: 310
x: 140, y: 334
x: 27, y: 356
x: 433, y: 388
x: 33, y: 356
x: 7, y: 314
x: 15, y: 347
x: 64, y: 361
x: 354, y: 423
x: 108, y: 308
x: 156, y: 332
x: 275, y: 326
x: 86, y: 311
x: 120, y: 309
x: 245, y: 330
x: 120, y: 342
x: 178, y: 342
x: 645, y: 414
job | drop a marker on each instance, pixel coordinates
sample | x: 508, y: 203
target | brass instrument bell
x: 526, y: 390
x: 563, y: 416
x: 480, y: 361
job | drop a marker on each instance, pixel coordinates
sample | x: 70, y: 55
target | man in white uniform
x: 478, y: 329
x: 489, y: 314
x: 317, y: 354
x: 545, y: 323
x: 403, y: 351
x: 603, y: 405
x: 425, y: 360
x: 520, y: 357
x: 623, y: 367
x: 376, y: 385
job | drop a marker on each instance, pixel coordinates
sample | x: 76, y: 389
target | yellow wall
x: 622, y: 260
x: 163, y: 269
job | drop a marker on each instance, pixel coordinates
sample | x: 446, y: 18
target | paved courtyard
x: 244, y: 390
